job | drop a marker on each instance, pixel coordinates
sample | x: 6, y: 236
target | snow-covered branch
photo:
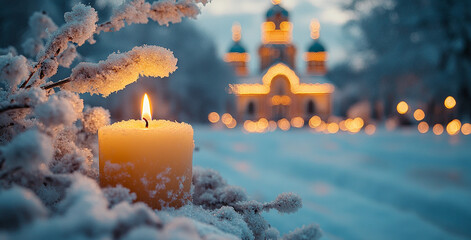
x: 139, y: 11
x: 121, y: 69
x: 80, y: 26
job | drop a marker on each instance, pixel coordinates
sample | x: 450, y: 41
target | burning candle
x: 153, y: 158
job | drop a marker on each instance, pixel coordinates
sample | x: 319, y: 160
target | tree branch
x: 13, y: 106
x: 56, y: 84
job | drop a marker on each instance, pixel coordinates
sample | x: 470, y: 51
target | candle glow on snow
x: 153, y: 158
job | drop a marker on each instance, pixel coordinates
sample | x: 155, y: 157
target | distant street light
x: 402, y: 107
x: 450, y: 102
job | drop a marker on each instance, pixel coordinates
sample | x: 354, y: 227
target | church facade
x: 278, y: 91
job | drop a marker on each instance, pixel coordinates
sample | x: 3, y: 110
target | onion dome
x: 237, y: 48
x: 275, y: 10
x: 316, y: 46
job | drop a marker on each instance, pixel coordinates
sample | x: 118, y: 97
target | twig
x: 16, y: 169
x: 56, y: 84
x: 36, y: 67
x: 13, y: 106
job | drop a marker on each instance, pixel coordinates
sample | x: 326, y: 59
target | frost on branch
x: 40, y: 27
x: 66, y: 58
x: 27, y: 151
x: 48, y: 68
x: 163, y: 11
x: 172, y: 11
x: 13, y: 70
x: 19, y: 206
x: 212, y: 192
x: 121, y: 69
x: 94, y: 118
x: 309, y: 232
x: 286, y: 203
x: 80, y: 26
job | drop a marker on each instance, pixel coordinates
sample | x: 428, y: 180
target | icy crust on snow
x: 121, y: 69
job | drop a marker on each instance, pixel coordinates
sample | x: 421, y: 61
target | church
x: 278, y: 90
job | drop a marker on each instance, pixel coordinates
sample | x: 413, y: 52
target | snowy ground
x: 392, y: 185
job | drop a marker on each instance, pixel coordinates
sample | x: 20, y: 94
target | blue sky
x: 218, y: 16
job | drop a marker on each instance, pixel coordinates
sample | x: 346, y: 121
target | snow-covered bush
x: 48, y: 141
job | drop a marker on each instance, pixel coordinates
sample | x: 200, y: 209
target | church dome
x: 237, y: 48
x: 275, y: 9
x: 316, y: 46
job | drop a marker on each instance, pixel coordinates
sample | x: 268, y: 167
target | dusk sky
x: 218, y: 16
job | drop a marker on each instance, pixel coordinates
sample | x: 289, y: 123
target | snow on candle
x: 153, y: 158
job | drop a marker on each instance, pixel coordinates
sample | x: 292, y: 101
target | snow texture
x: 163, y: 12
x: 80, y: 26
x: 28, y: 151
x: 49, y: 152
x: 66, y: 58
x: 40, y: 28
x: 13, y: 70
x: 56, y: 111
x: 118, y: 194
x: 94, y: 118
x: 19, y: 206
x: 310, y: 232
x: 121, y: 69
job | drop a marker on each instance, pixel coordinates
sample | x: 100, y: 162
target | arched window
x: 310, y: 108
x: 251, y: 108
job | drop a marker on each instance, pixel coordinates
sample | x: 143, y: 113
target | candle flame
x: 146, y: 113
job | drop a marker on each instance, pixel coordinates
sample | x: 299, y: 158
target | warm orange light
x: 250, y: 126
x: 419, y: 114
x: 453, y: 127
x: 342, y: 126
x: 262, y: 124
x: 281, y: 69
x: 276, y: 2
x: 146, y: 112
x: 236, y: 57
x: 297, y: 122
x: 315, y: 56
x: 437, y: 129
x: 332, y: 127
x: 276, y: 100
x: 272, y: 126
x: 232, y: 124
x: 283, y: 124
x: 315, y: 27
x: 450, y: 102
x: 370, y: 129
x: 402, y: 107
x: 354, y: 125
x: 466, y: 129
x: 423, y: 127
x: 236, y: 29
x: 285, y: 100
x: 315, y: 121
x: 213, y: 117
x: 226, y: 118
x: 322, y: 127
x: 271, y: 35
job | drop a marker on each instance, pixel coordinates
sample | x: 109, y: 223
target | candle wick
x: 147, y: 123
